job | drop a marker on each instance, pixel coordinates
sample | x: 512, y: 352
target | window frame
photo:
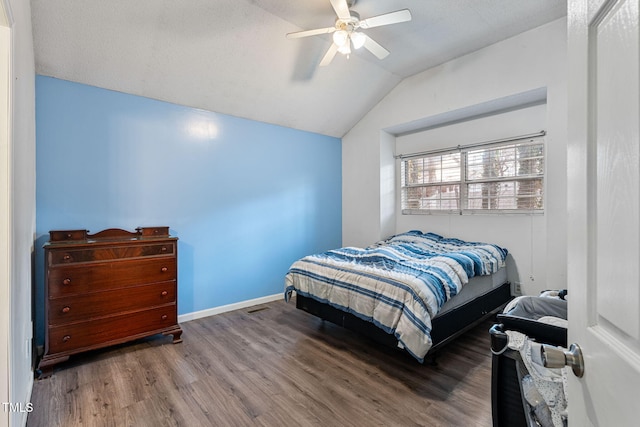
x: 464, y: 181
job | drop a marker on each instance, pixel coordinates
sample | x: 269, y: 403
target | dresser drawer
x: 80, y: 279
x: 76, y: 308
x: 110, y: 330
x: 109, y: 253
x: 68, y: 235
x: 153, y: 231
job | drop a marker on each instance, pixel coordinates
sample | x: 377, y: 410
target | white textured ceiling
x: 232, y: 57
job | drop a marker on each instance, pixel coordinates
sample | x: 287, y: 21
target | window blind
x: 497, y: 177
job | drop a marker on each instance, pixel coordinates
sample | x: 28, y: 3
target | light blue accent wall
x: 245, y: 198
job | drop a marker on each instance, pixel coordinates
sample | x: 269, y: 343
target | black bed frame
x: 445, y: 327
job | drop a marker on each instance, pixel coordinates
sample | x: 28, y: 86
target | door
x: 604, y: 210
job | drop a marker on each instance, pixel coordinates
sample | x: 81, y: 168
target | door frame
x: 5, y: 205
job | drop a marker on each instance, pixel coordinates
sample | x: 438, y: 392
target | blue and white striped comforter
x: 398, y: 284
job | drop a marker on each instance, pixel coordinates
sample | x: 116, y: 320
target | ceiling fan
x: 345, y: 32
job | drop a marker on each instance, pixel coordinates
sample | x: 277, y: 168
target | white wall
x: 528, y: 68
x: 18, y: 198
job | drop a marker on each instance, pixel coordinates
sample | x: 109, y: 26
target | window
x: 497, y: 177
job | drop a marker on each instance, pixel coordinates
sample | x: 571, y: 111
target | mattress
x: 477, y: 286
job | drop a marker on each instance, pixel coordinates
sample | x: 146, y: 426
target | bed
x: 414, y: 290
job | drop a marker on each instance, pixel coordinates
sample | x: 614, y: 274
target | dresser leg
x: 42, y: 373
x: 177, y: 334
x: 45, y: 367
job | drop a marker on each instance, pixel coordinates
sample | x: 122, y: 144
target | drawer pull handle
x: 164, y: 317
x: 69, y: 235
x: 164, y: 249
x: 66, y: 281
x: 66, y: 338
x: 66, y: 309
x: 164, y: 293
x: 164, y: 269
x: 66, y: 257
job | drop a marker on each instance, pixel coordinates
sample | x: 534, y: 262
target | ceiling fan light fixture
x: 345, y: 49
x: 341, y: 38
x: 358, y: 39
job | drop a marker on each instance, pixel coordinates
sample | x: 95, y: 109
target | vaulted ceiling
x: 232, y: 57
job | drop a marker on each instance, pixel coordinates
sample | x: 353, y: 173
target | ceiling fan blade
x: 403, y: 15
x: 328, y: 57
x: 307, y: 33
x: 373, y: 47
x: 342, y: 9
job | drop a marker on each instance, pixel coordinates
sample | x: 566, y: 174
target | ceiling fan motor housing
x: 349, y: 24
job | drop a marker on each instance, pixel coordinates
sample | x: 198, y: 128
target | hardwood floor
x: 271, y: 365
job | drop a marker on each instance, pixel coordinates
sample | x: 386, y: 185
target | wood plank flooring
x: 270, y: 365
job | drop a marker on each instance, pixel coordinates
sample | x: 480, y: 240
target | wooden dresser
x: 107, y: 288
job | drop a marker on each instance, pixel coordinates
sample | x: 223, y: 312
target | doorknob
x: 557, y: 357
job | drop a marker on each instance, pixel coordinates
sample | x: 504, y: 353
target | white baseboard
x: 229, y: 307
